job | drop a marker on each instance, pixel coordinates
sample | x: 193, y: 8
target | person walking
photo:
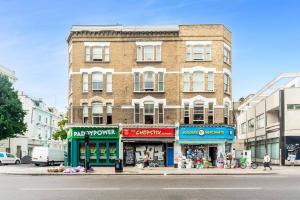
x: 146, y: 159
x: 267, y: 162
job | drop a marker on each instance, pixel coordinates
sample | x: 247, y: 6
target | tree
x: 61, y: 133
x: 11, y: 111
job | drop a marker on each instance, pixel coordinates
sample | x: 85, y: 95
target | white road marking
x: 69, y: 189
x: 246, y: 188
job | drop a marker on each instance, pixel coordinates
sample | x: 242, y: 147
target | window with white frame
x: 260, y: 121
x: 148, y: 53
x: 160, y: 113
x: 136, y: 113
x: 97, y: 81
x: 109, y: 113
x: 226, y: 83
x: 85, y: 82
x: 96, y: 54
x: 210, y: 113
x: 210, y: 81
x: 226, y: 113
x: 109, y: 82
x: 149, y: 81
x: 244, y: 128
x: 198, y: 81
x: 137, y: 81
x: 160, y: 81
x: 186, y: 81
x: 186, y: 113
x: 198, y: 53
x: 149, y: 113
x: 226, y: 55
x: 198, y: 112
x: 251, y: 125
x: 97, y: 111
x: 85, y: 113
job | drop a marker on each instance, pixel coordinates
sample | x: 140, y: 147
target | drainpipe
x: 282, y: 128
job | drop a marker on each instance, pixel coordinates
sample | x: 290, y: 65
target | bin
x: 119, y: 165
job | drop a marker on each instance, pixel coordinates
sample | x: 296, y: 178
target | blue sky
x: 266, y: 36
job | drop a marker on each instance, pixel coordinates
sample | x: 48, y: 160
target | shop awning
x: 163, y: 140
x: 206, y: 141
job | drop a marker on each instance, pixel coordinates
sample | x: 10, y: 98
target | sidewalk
x: 32, y: 170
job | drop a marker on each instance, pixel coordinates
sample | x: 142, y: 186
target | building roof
x: 124, y: 28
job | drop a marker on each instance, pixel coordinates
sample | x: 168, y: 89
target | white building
x: 41, y: 123
x: 9, y: 73
x: 269, y: 121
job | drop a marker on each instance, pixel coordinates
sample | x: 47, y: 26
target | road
x: 14, y: 187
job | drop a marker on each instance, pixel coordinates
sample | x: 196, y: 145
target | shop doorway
x: 212, y: 152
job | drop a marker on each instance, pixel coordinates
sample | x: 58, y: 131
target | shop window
x: 97, y: 109
x: 149, y: 81
x: 137, y: 81
x: 186, y: 113
x: 149, y: 113
x: 85, y: 113
x: 109, y: 113
x: 198, y: 81
x: 198, y: 112
x: 85, y: 82
x: 210, y: 113
x: 210, y: 81
x: 160, y: 81
x: 136, y: 113
x: 186, y: 81
x: 226, y: 113
x: 160, y: 113
x: 97, y: 81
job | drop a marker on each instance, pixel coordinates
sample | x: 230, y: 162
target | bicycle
x: 244, y: 163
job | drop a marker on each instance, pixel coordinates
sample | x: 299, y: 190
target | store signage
x: 94, y: 133
x: 148, y: 132
x: 206, y: 132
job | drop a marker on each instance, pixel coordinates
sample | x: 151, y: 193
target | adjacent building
x: 11, y: 75
x: 41, y: 122
x: 162, y: 89
x: 268, y: 121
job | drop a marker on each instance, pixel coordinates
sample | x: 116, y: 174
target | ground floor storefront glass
x: 261, y: 147
x: 203, y: 146
x: 156, y: 142
x: 102, y: 148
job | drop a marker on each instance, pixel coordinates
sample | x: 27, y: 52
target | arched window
x: 198, y: 112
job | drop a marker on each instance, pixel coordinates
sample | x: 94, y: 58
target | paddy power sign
x: 94, y: 133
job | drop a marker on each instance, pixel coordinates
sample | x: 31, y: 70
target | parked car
x: 8, y: 158
x: 47, y: 156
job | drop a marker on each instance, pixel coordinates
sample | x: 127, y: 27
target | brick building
x: 140, y: 79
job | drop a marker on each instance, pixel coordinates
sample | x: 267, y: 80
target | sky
x: 265, y: 36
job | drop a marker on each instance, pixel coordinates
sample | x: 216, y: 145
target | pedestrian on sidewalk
x: 267, y: 161
x: 146, y: 159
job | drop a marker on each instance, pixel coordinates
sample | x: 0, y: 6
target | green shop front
x: 102, y: 150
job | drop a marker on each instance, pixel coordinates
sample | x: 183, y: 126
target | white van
x: 47, y: 156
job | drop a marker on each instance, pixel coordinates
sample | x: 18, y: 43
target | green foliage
x: 61, y: 133
x: 11, y: 111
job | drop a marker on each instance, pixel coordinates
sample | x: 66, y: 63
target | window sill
x: 198, y: 61
x: 148, y: 91
x: 97, y: 90
x: 227, y: 93
x: 148, y: 61
x: 227, y: 63
x: 96, y: 62
x: 199, y: 91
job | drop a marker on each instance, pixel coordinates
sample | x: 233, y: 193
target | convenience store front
x: 103, y: 148
x: 157, y: 142
x: 210, y: 143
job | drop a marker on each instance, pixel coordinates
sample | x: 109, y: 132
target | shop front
x: 204, y: 144
x: 103, y: 148
x: 158, y: 143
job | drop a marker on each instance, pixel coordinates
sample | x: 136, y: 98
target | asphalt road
x: 13, y: 187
